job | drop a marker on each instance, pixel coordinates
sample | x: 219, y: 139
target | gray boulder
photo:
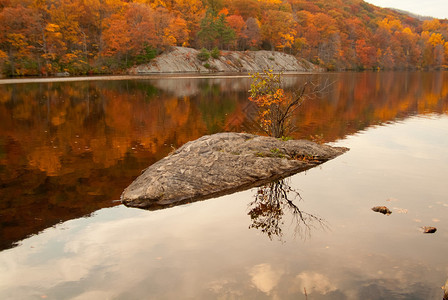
x: 220, y: 164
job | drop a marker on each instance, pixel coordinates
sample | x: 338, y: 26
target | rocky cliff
x: 185, y: 60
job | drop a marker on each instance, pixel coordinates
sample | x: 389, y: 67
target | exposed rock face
x: 184, y: 60
x: 222, y: 163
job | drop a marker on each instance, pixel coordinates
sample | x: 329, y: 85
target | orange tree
x: 275, y: 106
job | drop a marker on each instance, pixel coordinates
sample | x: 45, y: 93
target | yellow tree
x: 53, y: 46
x: 437, y: 42
x: 65, y: 14
x: 177, y: 32
x: 409, y: 43
x: 431, y: 25
x: 434, y: 52
x: 192, y: 11
x: 19, y: 37
x: 275, y: 105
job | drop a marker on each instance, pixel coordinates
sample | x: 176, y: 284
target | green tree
x: 226, y: 35
x: 207, y: 35
x: 215, y: 31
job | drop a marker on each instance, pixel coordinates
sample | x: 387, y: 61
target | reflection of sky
x: 206, y: 251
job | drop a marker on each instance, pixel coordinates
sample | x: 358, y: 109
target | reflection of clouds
x: 265, y: 278
x: 225, y: 289
x: 82, y: 253
x: 218, y: 286
x: 125, y: 257
x: 314, y: 282
x: 95, y: 295
x: 129, y: 256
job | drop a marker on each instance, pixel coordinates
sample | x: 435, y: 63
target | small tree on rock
x: 275, y: 105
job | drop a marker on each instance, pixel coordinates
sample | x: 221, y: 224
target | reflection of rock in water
x: 272, y: 202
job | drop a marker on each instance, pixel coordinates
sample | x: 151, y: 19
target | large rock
x: 222, y: 163
x: 185, y: 60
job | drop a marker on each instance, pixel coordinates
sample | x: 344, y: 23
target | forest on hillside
x: 43, y: 37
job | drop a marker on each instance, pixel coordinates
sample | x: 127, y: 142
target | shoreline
x: 143, y: 76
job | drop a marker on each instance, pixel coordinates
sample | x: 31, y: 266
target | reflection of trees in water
x: 273, y: 202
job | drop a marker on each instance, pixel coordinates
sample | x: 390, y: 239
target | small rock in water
x: 445, y: 289
x: 382, y: 209
x: 429, y: 229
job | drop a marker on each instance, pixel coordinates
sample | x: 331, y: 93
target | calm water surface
x: 68, y: 149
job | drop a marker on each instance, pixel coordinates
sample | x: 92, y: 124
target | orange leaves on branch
x: 269, y: 104
x: 275, y: 106
x: 269, y: 99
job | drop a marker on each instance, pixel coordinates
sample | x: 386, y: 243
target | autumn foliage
x: 277, y: 106
x: 274, y: 105
x: 104, y: 36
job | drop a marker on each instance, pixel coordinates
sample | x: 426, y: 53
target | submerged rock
x: 382, y: 209
x: 429, y: 229
x: 220, y: 164
x: 445, y: 291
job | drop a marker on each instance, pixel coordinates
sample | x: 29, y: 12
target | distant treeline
x: 40, y: 37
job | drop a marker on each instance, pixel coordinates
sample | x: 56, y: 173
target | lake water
x: 68, y: 149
